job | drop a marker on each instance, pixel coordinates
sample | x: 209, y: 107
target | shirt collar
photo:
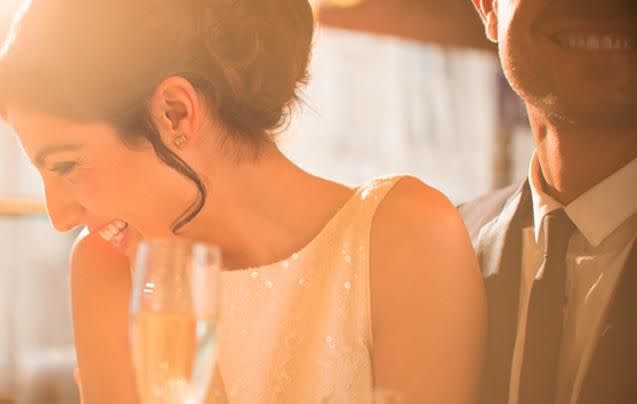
x: 597, y: 212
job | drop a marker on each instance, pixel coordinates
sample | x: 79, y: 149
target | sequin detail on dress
x: 297, y: 331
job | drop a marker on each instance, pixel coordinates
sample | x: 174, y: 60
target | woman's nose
x: 64, y: 212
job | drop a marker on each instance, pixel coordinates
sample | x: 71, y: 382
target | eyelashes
x: 64, y: 168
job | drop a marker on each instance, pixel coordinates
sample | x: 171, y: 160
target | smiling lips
x: 114, y: 232
x: 596, y: 42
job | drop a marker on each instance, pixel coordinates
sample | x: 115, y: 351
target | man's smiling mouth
x: 596, y: 42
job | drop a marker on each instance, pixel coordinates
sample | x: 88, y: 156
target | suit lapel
x: 499, y: 249
x: 612, y: 374
x: 494, y: 237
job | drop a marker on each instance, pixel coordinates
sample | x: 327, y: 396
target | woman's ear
x: 488, y: 10
x: 176, y: 111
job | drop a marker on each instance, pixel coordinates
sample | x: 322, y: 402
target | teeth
x: 572, y: 43
x: 106, y: 235
x: 581, y: 43
x: 626, y: 44
x: 114, y: 231
x: 607, y: 42
x: 118, y: 237
x: 598, y: 42
x: 592, y: 43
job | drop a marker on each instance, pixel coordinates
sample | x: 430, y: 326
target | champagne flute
x: 173, y: 320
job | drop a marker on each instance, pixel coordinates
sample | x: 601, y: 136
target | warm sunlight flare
x: 7, y: 7
x: 318, y: 201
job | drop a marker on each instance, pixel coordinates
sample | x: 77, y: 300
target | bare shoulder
x: 90, y: 254
x: 95, y: 268
x: 100, y: 289
x: 98, y: 275
x: 418, y: 237
x: 415, y: 213
x: 100, y: 282
x: 427, y: 297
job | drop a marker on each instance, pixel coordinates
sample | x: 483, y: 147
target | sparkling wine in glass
x: 173, y: 320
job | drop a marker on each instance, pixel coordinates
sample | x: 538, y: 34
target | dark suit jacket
x: 495, y: 224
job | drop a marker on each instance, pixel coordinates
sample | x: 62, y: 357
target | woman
x: 155, y: 118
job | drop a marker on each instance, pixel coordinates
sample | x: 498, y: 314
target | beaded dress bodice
x: 299, y: 330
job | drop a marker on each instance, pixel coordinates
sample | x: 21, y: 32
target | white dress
x: 299, y: 330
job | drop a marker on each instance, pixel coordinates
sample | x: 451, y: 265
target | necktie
x: 546, y: 315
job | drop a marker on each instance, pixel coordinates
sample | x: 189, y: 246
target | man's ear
x: 488, y: 10
x: 176, y: 111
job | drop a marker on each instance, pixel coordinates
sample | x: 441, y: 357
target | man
x: 558, y: 251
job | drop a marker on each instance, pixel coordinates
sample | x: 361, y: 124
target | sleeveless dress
x: 299, y: 330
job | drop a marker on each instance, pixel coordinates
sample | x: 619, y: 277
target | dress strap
x: 370, y: 196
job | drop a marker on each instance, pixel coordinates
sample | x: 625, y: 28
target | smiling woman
x: 159, y: 119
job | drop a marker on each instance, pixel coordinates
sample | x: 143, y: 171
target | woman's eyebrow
x: 48, y: 150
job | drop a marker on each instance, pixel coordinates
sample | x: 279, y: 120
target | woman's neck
x: 260, y: 210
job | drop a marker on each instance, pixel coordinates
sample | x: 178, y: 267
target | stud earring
x: 180, y: 140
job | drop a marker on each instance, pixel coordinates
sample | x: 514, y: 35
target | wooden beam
x: 446, y: 22
x: 12, y: 207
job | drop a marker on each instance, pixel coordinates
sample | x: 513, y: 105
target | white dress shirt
x: 606, y: 228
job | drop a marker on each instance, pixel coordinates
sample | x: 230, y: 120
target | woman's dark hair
x: 101, y: 60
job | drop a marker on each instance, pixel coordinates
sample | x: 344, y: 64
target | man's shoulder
x: 478, y: 212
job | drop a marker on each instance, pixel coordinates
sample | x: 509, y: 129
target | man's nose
x: 64, y: 211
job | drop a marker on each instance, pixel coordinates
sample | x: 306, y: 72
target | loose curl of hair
x: 101, y: 60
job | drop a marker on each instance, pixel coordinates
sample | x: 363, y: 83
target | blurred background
x: 398, y: 86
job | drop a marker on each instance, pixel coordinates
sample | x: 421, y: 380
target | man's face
x: 574, y: 60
